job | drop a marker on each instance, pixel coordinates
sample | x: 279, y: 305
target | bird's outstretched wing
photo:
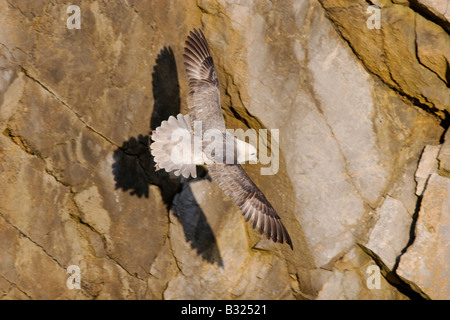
x: 198, y: 60
x: 255, y: 208
x: 204, y: 94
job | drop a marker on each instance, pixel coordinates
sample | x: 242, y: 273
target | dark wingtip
x: 197, y: 33
x: 290, y: 244
x: 288, y: 239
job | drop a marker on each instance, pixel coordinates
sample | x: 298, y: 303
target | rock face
x: 425, y: 263
x: 363, y: 181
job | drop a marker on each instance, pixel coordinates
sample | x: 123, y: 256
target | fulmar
x: 205, y: 111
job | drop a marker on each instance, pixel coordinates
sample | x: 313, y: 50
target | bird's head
x: 245, y: 152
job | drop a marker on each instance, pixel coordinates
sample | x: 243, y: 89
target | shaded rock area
x: 364, y: 150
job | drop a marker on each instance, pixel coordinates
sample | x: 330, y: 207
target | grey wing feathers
x: 204, y: 95
x: 254, y: 206
x: 198, y: 61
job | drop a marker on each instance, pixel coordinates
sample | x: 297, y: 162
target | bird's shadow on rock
x: 134, y: 166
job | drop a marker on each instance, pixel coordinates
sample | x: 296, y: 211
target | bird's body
x: 205, y: 111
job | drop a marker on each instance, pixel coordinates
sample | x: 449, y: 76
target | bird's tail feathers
x: 172, y: 146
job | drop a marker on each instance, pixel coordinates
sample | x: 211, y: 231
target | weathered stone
x: 79, y: 185
x: 162, y: 271
x: 391, y: 232
x: 395, y: 61
x: 434, y: 54
x: 425, y: 263
x: 427, y: 166
x: 437, y: 7
x: 444, y: 157
x: 351, y: 278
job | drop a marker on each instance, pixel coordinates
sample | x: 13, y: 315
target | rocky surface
x: 363, y: 182
x: 438, y: 8
x: 425, y: 263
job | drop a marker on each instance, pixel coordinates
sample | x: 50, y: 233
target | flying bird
x: 204, y: 109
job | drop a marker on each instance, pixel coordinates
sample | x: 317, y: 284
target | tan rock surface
x: 355, y: 109
x: 425, y: 263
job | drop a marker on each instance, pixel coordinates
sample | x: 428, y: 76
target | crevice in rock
x: 89, y: 127
x: 417, y: 54
x: 412, y: 231
x: 160, y: 294
x: 177, y: 265
x: 80, y: 220
x: 406, y: 287
x: 429, y: 15
x: 431, y: 109
x: 16, y: 286
x: 51, y: 173
x: 24, y: 145
x: 409, y: 289
x: 23, y: 234
x: 445, y: 123
x: 238, y: 115
x: 164, y: 290
x: 203, y: 10
x: 17, y: 8
x: 84, y: 286
x: 171, y: 248
x: 220, y: 11
x: 134, y: 275
x: 20, y: 142
x: 447, y: 73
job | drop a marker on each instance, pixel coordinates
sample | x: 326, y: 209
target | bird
x: 205, y: 115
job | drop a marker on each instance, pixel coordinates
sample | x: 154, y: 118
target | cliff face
x: 364, y: 150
